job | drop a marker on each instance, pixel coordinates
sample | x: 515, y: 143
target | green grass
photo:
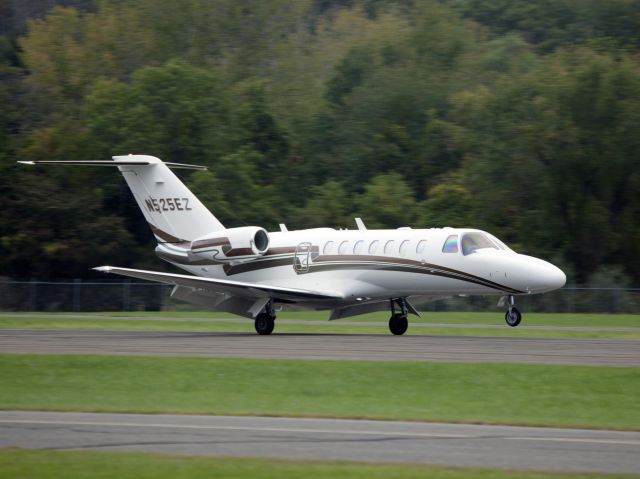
x: 26, y: 464
x: 120, y: 321
x: 545, y: 395
x: 497, y: 317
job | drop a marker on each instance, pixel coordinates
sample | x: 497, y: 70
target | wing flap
x: 237, y: 288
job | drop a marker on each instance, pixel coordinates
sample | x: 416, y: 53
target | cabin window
x: 388, y: 247
x: 422, y: 244
x: 328, y: 247
x: 373, y: 247
x: 342, y: 249
x: 357, y: 248
x: 404, y: 248
x: 471, y: 242
x: 451, y: 245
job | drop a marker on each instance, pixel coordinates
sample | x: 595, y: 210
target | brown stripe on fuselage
x: 409, y: 262
x: 380, y: 263
x: 209, y: 243
x: 280, y: 250
x: 166, y: 237
x: 239, y: 252
x: 179, y: 259
x: 336, y: 262
x: 433, y: 271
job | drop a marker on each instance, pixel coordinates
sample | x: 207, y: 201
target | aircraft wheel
x: 264, y: 324
x: 513, y: 316
x: 398, y: 324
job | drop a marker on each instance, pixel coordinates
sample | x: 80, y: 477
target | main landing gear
x: 265, y: 321
x: 513, y: 315
x: 398, y: 323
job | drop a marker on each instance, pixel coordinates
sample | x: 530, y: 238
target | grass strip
x: 334, y: 327
x: 523, y: 394
x: 452, y: 317
x: 27, y: 464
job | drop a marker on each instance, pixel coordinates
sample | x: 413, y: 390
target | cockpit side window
x: 451, y: 245
x: 499, y: 243
x: 471, y: 242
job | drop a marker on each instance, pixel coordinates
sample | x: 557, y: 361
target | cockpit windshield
x: 471, y: 242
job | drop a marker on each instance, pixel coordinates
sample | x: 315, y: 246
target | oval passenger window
x: 388, y: 247
x: 328, y: 247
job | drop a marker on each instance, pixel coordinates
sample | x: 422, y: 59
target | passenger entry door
x: 302, y: 258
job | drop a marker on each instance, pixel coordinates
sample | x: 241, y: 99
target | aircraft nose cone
x: 538, y: 276
x: 546, y: 277
x: 555, y: 277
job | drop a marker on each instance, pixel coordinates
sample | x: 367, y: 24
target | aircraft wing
x: 235, y: 288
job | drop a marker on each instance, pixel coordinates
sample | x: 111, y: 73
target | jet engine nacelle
x: 231, y: 244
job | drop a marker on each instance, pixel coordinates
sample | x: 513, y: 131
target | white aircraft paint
x: 248, y: 271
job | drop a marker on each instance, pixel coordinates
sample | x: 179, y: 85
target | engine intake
x: 231, y: 244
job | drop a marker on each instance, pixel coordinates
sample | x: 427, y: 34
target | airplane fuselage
x: 380, y: 264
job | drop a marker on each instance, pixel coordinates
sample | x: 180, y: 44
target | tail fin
x: 173, y: 212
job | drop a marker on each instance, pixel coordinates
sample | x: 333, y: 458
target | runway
x: 504, y: 447
x: 324, y: 346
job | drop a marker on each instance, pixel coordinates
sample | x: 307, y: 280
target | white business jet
x: 251, y: 272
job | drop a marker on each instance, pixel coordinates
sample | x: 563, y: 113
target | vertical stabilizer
x: 171, y: 209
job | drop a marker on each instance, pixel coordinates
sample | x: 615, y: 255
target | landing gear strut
x: 398, y: 322
x: 265, y: 321
x: 513, y: 315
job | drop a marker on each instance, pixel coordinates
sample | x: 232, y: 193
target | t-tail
x: 173, y: 212
x: 177, y: 217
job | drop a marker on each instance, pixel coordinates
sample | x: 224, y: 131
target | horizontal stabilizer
x: 120, y: 162
x: 236, y: 288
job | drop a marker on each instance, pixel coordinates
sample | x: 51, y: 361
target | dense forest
x: 518, y: 117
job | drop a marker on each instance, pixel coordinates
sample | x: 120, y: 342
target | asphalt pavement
x: 598, y: 352
x: 504, y: 447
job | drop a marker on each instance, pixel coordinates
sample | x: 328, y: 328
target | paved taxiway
x: 324, y: 346
x: 505, y: 447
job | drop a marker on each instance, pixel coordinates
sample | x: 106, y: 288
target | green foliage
x: 175, y: 111
x: 448, y: 205
x: 551, y: 23
x: 522, y: 118
x: 328, y: 206
x: 387, y: 202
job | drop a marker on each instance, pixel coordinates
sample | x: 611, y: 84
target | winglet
x: 103, y: 269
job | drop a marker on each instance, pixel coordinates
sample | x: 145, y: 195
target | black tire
x: 513, y: 317
x: 398, y: 324
x: 264, y: 324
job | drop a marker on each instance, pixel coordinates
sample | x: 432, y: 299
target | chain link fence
x: 79, y: 295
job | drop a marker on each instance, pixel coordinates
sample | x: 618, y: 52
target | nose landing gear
x: 398, y: 323
x: 513, y: 315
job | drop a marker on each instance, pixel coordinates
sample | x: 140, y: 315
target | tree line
x: 518, y: 117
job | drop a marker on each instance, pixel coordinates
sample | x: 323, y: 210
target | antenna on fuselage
x: 360, y: 224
